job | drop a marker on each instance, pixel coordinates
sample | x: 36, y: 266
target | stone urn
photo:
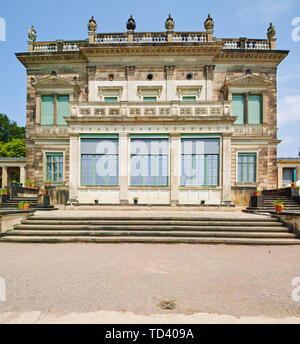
x: 92, y: 25
x: 271, y: 31
x: 209, y: 23
x: 131, y: 25
x: 169, y: 24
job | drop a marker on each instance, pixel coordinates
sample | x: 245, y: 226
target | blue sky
x: 67, y: 19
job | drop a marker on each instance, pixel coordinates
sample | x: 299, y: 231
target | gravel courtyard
x: 239, y: 281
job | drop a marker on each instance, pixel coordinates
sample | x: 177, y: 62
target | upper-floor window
x: 247, y: 108
x: 150, y: 99
x: 189, y: 98
x: 111, y: 99
x: 51, y: 114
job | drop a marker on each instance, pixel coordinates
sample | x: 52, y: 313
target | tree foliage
x: 9, y: 130
x: 15, y: 148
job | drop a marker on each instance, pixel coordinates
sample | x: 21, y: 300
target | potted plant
x: 4, y: 191
x: 48, y: 183
x: 44, y: 192
x: 35, y: 186
x: 256, y: 193
x: 278, y: 205
x: 293, y: 185
x: 23, y: 205
x: 96, y: 201
x: 28, y: 184
x: 135, y: 200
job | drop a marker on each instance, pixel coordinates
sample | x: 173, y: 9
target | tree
x: 15, y: 148
x: 10, y: 130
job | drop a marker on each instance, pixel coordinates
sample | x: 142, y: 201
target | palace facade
x: 168, y: 117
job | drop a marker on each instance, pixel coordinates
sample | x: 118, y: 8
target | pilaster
x: 174, y: 167
x: 74, y: 165
x: 226, y: 168
x: 123, y: 167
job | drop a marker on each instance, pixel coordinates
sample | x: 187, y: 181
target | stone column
x: 226, y: 165
x: 123, y: 167
x: 38, y: 109
x: 22, y: 175
x: 279, y: 182
x: 174, y: 167
x: 4, y: 177
x: 74, y: 164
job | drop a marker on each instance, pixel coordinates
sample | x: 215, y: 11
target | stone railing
x: 151, y: 38
x: 248, y: 44
x: 160, y: 109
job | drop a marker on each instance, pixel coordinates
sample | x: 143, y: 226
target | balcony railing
x: 150, y: 38
x: 161, y: 109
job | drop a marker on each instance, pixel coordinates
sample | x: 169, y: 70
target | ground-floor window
x: 149, y: 161
x: 200, y: 161
x: 246, y: 167
x: 99, y: 161
x: 54, y: 167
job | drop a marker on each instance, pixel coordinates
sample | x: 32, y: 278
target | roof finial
x: 169, y: 23
x: 131, y: 25
x: 92, y: 25
x: 209, y: 23
x: 32, y: 34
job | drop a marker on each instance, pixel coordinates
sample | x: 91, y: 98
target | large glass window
x: 246, y: 167
x: 54, y: 167
x: 63, y: 109
x: 99, y: 161
x: 200, y: 161
x: 149, y: 161
x: 238, y: 108
x: 254, y: 109
x: 47, y: 113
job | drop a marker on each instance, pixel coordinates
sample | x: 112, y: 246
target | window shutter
x: 47, y: 110
x: 238, y: 108
x: 254, y: 109
x: 63, y: 109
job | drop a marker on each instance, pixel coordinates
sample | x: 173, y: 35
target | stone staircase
x: 210, y: 229
x: 13, y: 203
x: 290, y: 205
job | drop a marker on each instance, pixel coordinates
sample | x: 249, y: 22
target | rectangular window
x: 200, y: 161
x: 100, y: 161
x: 54, y: 167
x: 238, y: 108
x: 47, y: 113
x: 149, y: 99
x: 254, y: 109
x: 149, y: 161
x: 111, y: 99
x: 189, y: 99
x: 246, y: 167
x: 63, y: 109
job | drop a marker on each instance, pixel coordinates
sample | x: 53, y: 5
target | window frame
x: 205, y: 158
x: 54, y: 152
x: 247, y: 152
x: 246, y: 95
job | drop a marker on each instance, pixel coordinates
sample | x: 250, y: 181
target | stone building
x: 168, y: 117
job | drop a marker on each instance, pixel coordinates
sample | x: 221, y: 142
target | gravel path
x: 204, y: 281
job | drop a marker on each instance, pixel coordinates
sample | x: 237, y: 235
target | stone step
x: 150, y: 227
x: 150, y: 240
x: 116, y: 233
x: 153, y: 222
x: 154, y: 217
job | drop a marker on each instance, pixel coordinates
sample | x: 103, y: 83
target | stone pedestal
x: 256, y: 202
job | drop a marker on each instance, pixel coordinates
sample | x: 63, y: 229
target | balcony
x: 159, y: 109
